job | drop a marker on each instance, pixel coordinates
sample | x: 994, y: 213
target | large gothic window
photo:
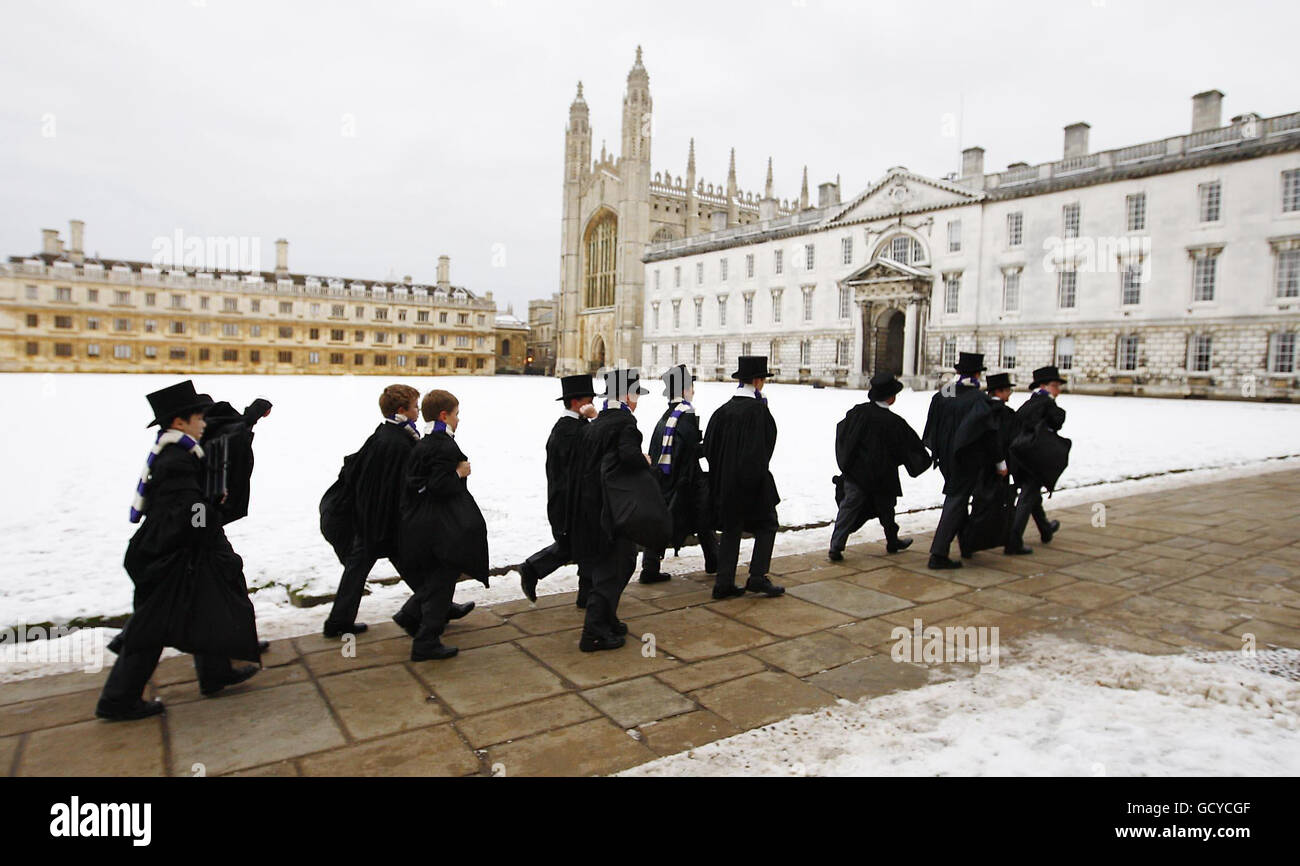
x: 902, y: 249
x: 599, y: 266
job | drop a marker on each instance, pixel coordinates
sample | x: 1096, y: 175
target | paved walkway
x: 1190, y: 568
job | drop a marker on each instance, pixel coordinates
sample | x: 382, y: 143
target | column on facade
x: 864, y: 334
x: 911, y: 332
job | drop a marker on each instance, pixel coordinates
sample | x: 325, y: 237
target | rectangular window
x: 63, y: 321
x: 314, y: 310
x: 92, y: 296
x: 64, y: 350
x: 150, y: 325
x: 313, y: 333
x: 1066, y: 289
x: 336, y: 357
x: 285, y: 357
x: 778, y: 261
x: 1209, y: 194
x: 442, y: 318
x: 149, y: 351
x: 722, y: 311
x: 809, y: 257
x: 658, y: 274
x: 337, y: 311
x: 774, y: 352
x: 677, y: 276
x: 1198, y: 353
x: 230, y: 305
x: 746, y: 348
x: 33, y: 349
x: 674, y: 354
x: 34, y: 320
x: 699, y: 273
x: 1291, y: 190
x: 313, y: 357
x: 846, y: 250
x: 1015, y: 229
x: 749, y: 266
x: 150, y: 299
x: 381, y: 337
x: 1070, y: 220
x: 846, y: 298
x: 359, y: 360
x: 336, y: 334
x: 654, y: 355
x: 380, y: 313
x: 462, y: 363
x: 120, y: 352
x: 1281, y: 352
x: 204, y: 303
x: 230, y: 330
x: 808, y: 303
x: 722, y: 270
x: 677, y: 314
x: 1203, y: 273
x: 699, y: 312
x: 1131, y: 284
x: 1065, y: 353
x: 286, y: 307
x: 654, y: 317
x: 1008, y: 350
x: 62, y: 293
x: 205, y: 354
x: 121, y: 324
x: 1288, y: 274
x: 422, y: 316
x: 92, y: 324
x: 254, y: 356
x: 805, y: 353
x: 776, y: 306
x: 951, y: 292
x: 230, y: 355
x: 92, y: 350
x: 122, y: 298
x: 462, y: 318
x: 178, y: 328
x: 1136, y: 207
x: 33, y: 293
x: 695, y: 354
x: 721, y: 349
x: 254, y: 330
x: 1127, y: 354
x: 256, y: 306
x: 176, y: 353
x: 285, y: 332
x: 462, y: 342
x: 954, y: 236
x: 749, y: 309
x: 1011, y: 291
x: 843, y: 351
x: 361, y: 313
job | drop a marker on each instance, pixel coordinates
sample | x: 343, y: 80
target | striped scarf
x: 139, y: 504
x: 438, y: 427
x: 402, y: 421
x: 621, y: 404
x: 670, y: 429
x: 972, y: 381
x: 758, y: 395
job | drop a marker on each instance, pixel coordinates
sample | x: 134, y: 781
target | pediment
x: 901, y: 191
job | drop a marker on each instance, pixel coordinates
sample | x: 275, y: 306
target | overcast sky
x: 223, y: 118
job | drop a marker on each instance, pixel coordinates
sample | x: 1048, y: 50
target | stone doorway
x: 597, y: 358
x: 889, y: 343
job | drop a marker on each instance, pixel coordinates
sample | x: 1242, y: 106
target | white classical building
x: 1167, y: 267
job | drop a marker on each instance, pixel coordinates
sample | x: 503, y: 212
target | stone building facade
x: 1170, y: 267
x: 541, y: 337
x: 64, y: 311
x: 512, y: 335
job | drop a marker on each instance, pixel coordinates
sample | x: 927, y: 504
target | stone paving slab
x: 1191, y: 568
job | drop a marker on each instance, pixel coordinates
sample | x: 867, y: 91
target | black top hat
x: 998, y: 381
x: 676, y: 380
x: 621, y: 381
x: 1043, y: 375
x: 883, y: 386
x: 576, y: 386
x: 176, y: 401
x: 751, y: 367
x: 970, y: 362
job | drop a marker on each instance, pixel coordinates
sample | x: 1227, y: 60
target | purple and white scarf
x: 439, y: 427
x: 670, y: 429
x: 751, y: 391
x: 972, y: 381
x: 402, y: 421
x: 139, y: 504
x: 621, y: 404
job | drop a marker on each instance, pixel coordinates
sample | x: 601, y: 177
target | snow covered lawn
x: 75, y: 444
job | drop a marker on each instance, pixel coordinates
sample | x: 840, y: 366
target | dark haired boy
x: 1040, y: 408
x: 179, y: 546
x: 576, y: 394
x: 443, y: 534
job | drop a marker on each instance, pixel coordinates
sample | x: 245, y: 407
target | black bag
x: 992, y: 510
x: 198, y: 609
x: 634, y: 507
x: 336, y: 513
x: 1043, y: 453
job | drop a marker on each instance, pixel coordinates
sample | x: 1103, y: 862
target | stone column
x: 855, y: 367
x: 865, y: 344
x: 910, y: 333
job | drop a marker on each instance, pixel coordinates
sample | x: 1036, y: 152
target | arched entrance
x: 597, y: 358
x: 888, y: 343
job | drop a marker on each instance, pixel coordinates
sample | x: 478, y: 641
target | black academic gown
x: 1039, y: 408
x: 189, y: 582
x: 377, y: 475
x: 613, y: 432
x: 561, y: 453
x: 738, y: 443
x: 685, y: 488
x: 442, y: 527
x: 960, y: 432
x: 993, y: 499
x: 871, y: 443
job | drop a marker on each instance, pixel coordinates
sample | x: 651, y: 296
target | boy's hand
x: 463, y: 469
x: 588, y: 411
x: 648, y: 461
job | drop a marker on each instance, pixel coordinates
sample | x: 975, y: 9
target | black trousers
x: 760, y: 561
x: 131, y: 672
x: 610, y: 573
x: 431, y: 603
x: 858, y: 502
x: 651, y: 559
x: 956, y: 510
x: 555, y: 555
x: 356, y: 569
x: 1030, y: 504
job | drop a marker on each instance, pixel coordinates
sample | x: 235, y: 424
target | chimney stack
x: 1076, y: 140
x: 828, y: 194
x: 444, y: 272
x: 50, y: 243
x: 1207, y: 110
x: 77, y: 237
x: 718, y: 220
x: 972, y: 166
x: 281, y: 258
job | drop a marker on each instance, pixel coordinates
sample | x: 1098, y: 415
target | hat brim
x: 575, y: 396
x: 201, y: 402
x: 884, y: 392
x: 1047, y: 382
x: 764, y: 375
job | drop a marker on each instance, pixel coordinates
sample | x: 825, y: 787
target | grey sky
x: 226, y: 118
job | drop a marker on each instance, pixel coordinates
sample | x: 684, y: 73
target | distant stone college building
x: 64, y: 311
x: 1169, y: 267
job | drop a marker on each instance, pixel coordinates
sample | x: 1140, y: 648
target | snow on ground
x: 75, y: 444
x: 1054, y: 708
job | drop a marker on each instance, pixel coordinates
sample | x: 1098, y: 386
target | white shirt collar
x: 428, y: 428
x: 746, y: 390
x: 569, y: 413
x: 882, y: 404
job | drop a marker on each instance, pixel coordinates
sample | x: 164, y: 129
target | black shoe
x: 411, y: 627
x: 897, y: 545
x: 1052, y: 528
x: 528, y: 581
x: 138, y: 710
x: 594, y: 643
x: 764, y: 586
x: 733, y: 591
x: 938, y: 562
x: 332, y: 630
x: 655, y: 577
x: 835, y: 555
x: 620, y: 627
x: 263, y: 646
x: 437, y: 651
x: 459, y: 611
x: 1017, y: 551
x: 236, y: 676
x: 115, y: 645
